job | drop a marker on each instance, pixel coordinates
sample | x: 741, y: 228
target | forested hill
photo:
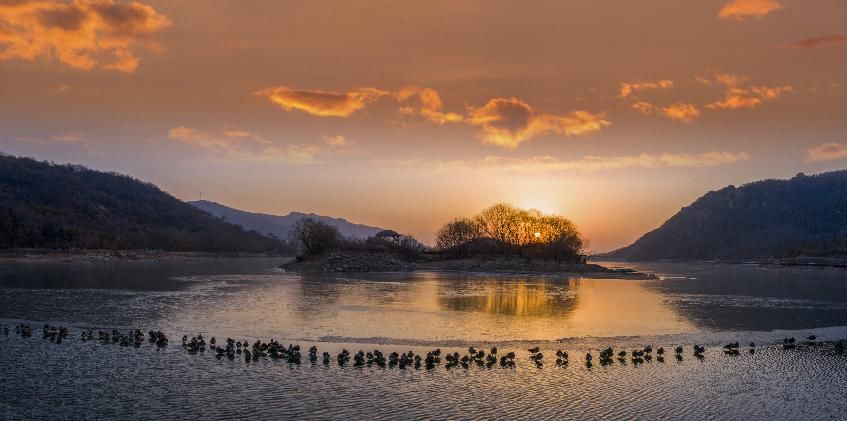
x: 44, y: 205
x: 803, y: 216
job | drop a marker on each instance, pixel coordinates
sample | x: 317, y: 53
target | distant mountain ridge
x: 46, y: 205
x: 803, y: 216
x: 280, y: 225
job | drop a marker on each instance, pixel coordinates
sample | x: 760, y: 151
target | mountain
x: 280, y: 225
x: 803, y: 216
x: 46, y: 205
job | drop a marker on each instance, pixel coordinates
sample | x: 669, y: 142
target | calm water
x: 247, y: 299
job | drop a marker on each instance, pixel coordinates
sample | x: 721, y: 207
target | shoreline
x: 106, y: 256
x: 805, y: 262
x: 367, y: 262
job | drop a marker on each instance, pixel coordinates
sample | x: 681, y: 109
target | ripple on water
x: 90, y: 380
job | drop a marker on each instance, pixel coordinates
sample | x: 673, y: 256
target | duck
x: 788, y: 343
x: 534, y: 350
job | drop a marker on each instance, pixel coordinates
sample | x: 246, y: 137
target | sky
x: 404, y: 115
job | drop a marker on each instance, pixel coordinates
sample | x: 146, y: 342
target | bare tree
x: 315, y: 237
x: 528, y: 231
x: 455, y: 235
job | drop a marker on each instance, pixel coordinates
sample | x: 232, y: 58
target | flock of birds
x: 233, y: 349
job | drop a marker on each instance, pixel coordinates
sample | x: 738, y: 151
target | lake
x: 248, y: 299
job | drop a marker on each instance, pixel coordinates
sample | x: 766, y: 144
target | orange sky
x: 402, y: 115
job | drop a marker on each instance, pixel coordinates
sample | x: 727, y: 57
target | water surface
x: 250, y: 299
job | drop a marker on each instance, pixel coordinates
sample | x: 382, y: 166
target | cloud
x: 703, y: 80
x: 826, y: 152
x: 730, y: 80
x: 629, y: 88
x: 739, y: 94
x: 66, y: 138
x: 62, y: 89
x: 509, y: 122
x: 236, y: 143
x: 428, y: 104
x: 503, y: 121
x: 82, y: 34
x: 199, y: 138
x: 337, y: 140
x: 746, y: 9
x: 73, y: 138
x: 681, y: 112
x: 735, y: 98
x: 547, y: 164
x: 819, y: 41
x: 322, y: 103
x: 643, y: 107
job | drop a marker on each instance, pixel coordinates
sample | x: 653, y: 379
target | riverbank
x: 382, y: 262
x: 99, y: 256
x: 799, y: 261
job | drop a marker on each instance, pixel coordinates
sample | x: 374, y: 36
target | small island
x: 500, y: 239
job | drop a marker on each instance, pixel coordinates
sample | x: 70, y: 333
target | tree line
x: 505, y: 229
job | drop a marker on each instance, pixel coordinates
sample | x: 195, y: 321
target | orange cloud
x: 738, y: 94
x: 591, y: 163
x: 819, y: 41
x: 82, y: 34
x: 681, y: 112
x: 826, y: 152
x: 643, y: 107
x: 747, y: 9
x: 509, y: 122
x: 730, y: 80
x: 736, y: 98
x: 428, y: 104
x: 629, y: 88
x: 322, y: 103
